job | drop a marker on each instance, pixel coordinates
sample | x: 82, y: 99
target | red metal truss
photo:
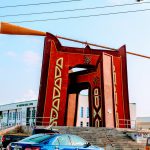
x: 105, y: 77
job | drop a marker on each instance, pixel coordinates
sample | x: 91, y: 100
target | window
x: 87, y: 112
x: 55, y: 142
x: 10, y: 115
x: 18, y: 115
x: 4, y: 114
x: 87, y: 124
x: 33, y: 113
x: 14, y: 115
x: 77, y: 141
x: 64, y: 140
x: 81, y: 113
x: 37, y: 138
x: 28, y: 113
x: 81, y: 124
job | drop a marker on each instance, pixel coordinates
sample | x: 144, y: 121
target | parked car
x: 7, y: 138
x: 53, y: 142
x: 43, y: 130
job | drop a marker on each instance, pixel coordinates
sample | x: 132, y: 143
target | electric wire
x: 85, y: 16
x: 34, y: 4
x: 72, y: 10
x: 139, y: 55
x: 101, y: 46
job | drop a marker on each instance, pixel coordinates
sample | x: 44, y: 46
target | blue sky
x: 21, y: 56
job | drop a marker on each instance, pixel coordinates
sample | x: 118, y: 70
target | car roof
x: 56, y: 134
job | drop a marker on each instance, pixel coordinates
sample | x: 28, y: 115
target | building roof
x: 18, y: 105
x: 143, y: 119
x: 18, y: 102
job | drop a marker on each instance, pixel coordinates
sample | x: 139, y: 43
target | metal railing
x: 125, y: 123
x: 33, y: 121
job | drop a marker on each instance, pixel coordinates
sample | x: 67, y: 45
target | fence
x: 33, y: 121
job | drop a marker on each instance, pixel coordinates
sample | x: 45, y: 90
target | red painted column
x: 71, y: 109
x: 56, y: 96
x: 118, y: 92
x: 108, y: 91
x: 122, y: 52
x: 43, y: 81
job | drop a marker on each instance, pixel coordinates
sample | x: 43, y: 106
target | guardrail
x: 33, y: 121
x: 125, y: 123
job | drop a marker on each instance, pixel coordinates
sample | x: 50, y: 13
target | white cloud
x: 30, y: 95
x: 11, y: 54
x: 31, y: 57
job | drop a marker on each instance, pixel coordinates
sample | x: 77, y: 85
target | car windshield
x: 37, y: 138
x: 77, y: 140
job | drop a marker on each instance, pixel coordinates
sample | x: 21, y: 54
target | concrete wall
x: 83, y: 104
x: 133, y: 114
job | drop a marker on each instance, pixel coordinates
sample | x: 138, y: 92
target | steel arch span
x: 105, y: 77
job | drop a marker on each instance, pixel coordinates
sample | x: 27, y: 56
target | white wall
x: 19, y: 108
x: 133, y: 114
x: 83, y: 102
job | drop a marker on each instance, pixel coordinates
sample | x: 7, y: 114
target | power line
x: 71, y: 10
x: 86, y: 16
x: 34, y: 4
x: 101, y: 46
x: 86, y: 43
x: 139, y: 55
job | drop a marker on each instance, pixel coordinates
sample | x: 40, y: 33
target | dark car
x: 43, y: 130
x: 6, y: 139
x: 53, y: 142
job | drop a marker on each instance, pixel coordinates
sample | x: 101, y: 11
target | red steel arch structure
x: 105, y: 78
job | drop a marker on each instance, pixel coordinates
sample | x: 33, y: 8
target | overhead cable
x: 139, y: 55
x: 44, y: 3
x: 101, y: 46
x: 86, y: 43
x: 71, y: 10
x: 85, y: 16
